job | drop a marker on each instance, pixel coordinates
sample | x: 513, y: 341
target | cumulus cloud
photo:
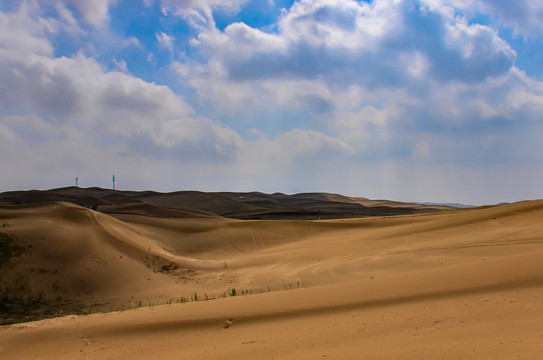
x: 387, y: 78
x: 338, y: 45
x: 74, y: 101
x: 391, y: 94
x: 363, y: 43
x: 24, y: 32
x: 523, y: 16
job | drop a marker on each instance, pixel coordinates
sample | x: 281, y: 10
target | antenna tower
x: 113, y: 181
x: 77, y: 182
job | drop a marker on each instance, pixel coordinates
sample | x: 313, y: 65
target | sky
x: 410, y: 100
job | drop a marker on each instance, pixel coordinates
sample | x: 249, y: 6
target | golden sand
x: 454, y: 285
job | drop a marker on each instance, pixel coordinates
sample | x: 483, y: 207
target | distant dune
x: 253, y: 205
x: 181, y: 275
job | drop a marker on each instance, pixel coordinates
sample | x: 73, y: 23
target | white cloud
x: 363, y: 98
x: 360, y: 126
x: 523, y: 16
x: 387, y: 79
x: 25, y: 32
x: 69, y: 109
x: 94, y: 12
x: 231, y: 5
x: 295, y: 159
x: 383, y: 44
x: 120, y: 65
x: 368, y: 91
x: 69, y: 22
x: 165, y: 40
x: 340, y: 24
x: 151, y: 58
x: 239, y: 42
x: 131, y: 41
x: 199, y: 13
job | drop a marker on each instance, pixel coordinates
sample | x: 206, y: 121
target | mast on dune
x: 76, y: 182
x: 113, y: 181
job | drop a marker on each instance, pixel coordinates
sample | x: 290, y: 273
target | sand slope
x: 458, y: 284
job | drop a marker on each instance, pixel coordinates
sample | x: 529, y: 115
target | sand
x: 457, y: 284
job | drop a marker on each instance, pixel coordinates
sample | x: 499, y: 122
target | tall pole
x: 77, y: 182
x: 113, y: 181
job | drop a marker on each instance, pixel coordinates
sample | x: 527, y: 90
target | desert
x: 278, y: 179
x: 138, y: 279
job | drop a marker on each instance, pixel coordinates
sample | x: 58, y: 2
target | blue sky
x: 429, y: 100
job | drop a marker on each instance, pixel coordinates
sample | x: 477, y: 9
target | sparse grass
x: 20, y: 303
x: 85, y: 311
x: 16, y: 310
x: 133, y: 304
x: 197, y: 297
x: 291, y: 286
x: 9, y: 249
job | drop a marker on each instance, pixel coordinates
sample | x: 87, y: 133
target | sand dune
x: 454, y: 284
x: 253, y: 205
